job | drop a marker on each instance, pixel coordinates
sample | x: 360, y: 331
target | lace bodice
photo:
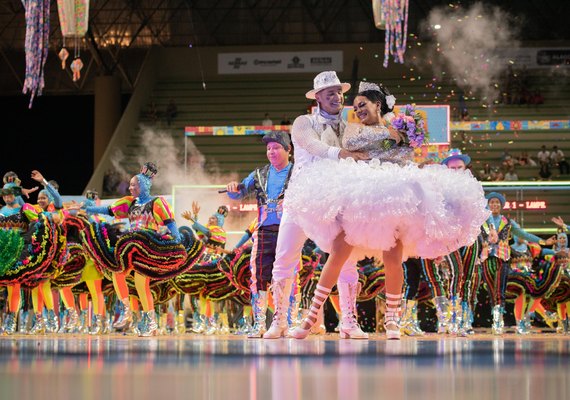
x: 375, y: 140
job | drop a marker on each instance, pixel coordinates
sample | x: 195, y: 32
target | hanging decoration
x: 37, y: 45
x: 395, y: 14
x: 76, y: 66
x: 63, y: 55
x: 73, y: 19
x: 378, y: 14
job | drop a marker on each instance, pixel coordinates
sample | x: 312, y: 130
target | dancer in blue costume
x: 496, y: 252
x: 269, y: 184
x: 28, y: 246
x: 145, y: 248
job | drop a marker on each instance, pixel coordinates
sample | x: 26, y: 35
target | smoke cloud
x: 168, y: 154
x: 465, y: 43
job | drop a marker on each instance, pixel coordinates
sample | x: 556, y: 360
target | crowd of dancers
x: 351, y: 220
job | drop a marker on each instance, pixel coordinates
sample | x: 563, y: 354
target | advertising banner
x: 279, y: 62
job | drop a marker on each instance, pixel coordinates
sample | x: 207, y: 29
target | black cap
x: 280, y: 137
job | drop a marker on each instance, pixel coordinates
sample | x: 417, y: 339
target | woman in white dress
x: 388, y: 208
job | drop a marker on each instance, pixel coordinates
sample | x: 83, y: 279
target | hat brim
x: 464, y: 157
x: 311, y: 93
x: 272, y: 140
x: 498, y: 196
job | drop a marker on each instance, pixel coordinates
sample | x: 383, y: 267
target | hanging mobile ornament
x: 76, y: 64
x: 74, y: 19
x: 63, y: 55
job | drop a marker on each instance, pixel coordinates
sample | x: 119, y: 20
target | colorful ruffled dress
x: 147, y: 247
x: 28, y: 243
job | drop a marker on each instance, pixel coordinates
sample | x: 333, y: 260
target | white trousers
x: 290, y: 243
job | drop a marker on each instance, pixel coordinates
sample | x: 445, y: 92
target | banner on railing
x: 279, y: 62
x: 510, y: 125
x: 534, y: 57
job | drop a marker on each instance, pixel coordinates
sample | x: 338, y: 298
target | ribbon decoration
x: 395, y: 16
x: 37, y: 45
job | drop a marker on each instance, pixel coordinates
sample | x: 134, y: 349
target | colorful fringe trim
x: 42, y: 249
x: 237, y: 268
x: 162, y: 292
x: 194, y: 248
x: 12, y: 244
x: 561, y: 294
x: 151, y: 254
x: 371, y: 277
x: 536, y: 285
x: 99, y: 241
x: 69, y: 273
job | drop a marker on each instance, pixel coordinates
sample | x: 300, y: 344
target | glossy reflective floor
x: 196, y: 367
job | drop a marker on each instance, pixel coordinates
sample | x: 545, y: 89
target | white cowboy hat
x: 326, y: 80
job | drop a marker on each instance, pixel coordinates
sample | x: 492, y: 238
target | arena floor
x: 197, y: 367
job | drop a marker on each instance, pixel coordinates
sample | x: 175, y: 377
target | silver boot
x: 212, y: 326
x: 96, y: 325
x: 73, y: 323
x: 148, y: 326
x: 180, y: 323
x: 442, y: 310
x: 259, y: 308
x: 466, y: 320
x: 244, y: 326
x: 498, y: 323
x: 523, y: 326
x: 23, y: 321
x: 455, y: 317
x: 409, y: 324
x: 126, y: 318
x: 39, y: 327
x: 199, y: 323
x: 10, y: 323
x: 134, y: 329
x: 107, y: 324
x: 293, y: 314
x: 162, y: 324
x: 52, y: 325
x: 83, y: 322
x: 63, y: 319
x: 224, y: 324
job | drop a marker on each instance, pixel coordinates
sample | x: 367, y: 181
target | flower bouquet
x: 411, y: 126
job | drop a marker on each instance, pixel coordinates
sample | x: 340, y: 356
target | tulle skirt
x: 432, y: 210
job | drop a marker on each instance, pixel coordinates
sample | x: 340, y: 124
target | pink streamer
x: 37, y: 45
x: 396, y: 17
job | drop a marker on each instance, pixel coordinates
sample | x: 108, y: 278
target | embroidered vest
x: 260, y: 181
x: 141, y: 215
x: 502, y: 248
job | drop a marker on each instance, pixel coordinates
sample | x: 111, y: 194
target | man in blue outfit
x: 268, y: 183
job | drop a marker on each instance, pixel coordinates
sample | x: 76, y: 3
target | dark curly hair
x: 378, y: 96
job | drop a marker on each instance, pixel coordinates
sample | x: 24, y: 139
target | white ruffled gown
x: 433, y: 210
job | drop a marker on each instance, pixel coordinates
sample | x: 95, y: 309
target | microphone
x: 240, y: 187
